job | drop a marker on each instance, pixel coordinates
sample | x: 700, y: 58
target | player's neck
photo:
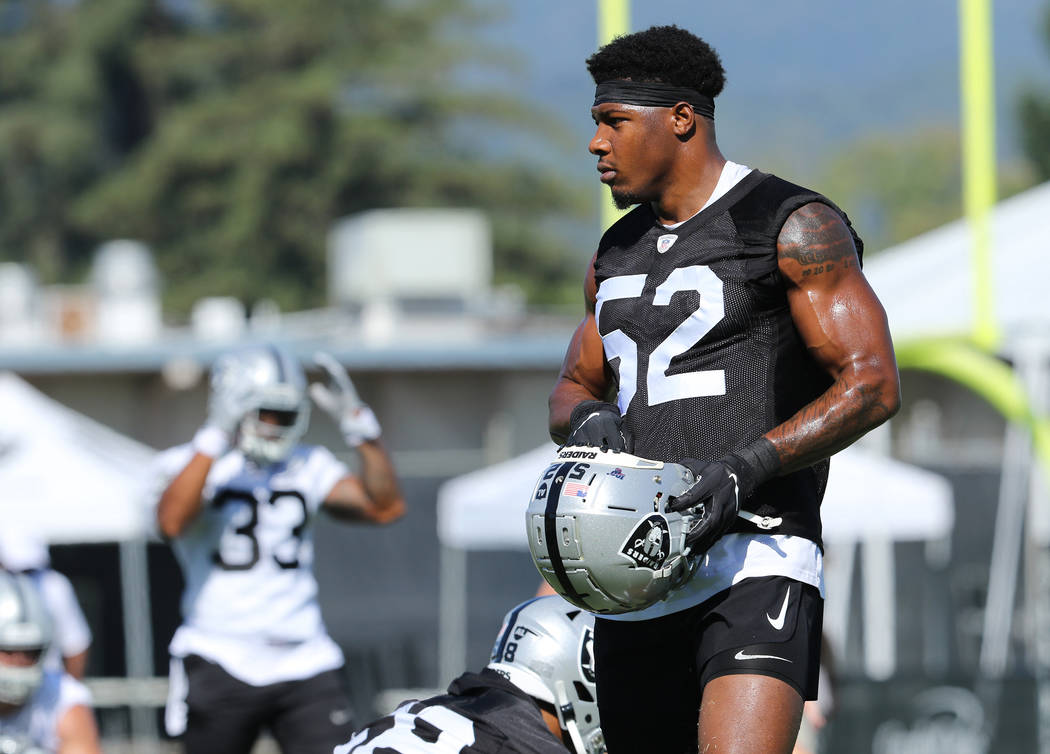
x: 690, y: 185
x: 552, y: 722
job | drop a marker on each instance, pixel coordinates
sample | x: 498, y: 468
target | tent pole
x: 1032, y: 362
x: 878, y: 575
x: 839, y: 565
x: 452, y: 616
x: 1006, y: 551
x: 138, y: 635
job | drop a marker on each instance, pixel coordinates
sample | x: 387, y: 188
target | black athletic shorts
x: 657, y: 669
x: 226, y: 715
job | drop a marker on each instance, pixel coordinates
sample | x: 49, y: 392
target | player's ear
x: 683, y: 120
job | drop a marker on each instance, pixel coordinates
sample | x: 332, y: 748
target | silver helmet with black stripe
x: 25, y: 634
x: 600, y: 532
x: 545, y: 649
x: 278, y: 408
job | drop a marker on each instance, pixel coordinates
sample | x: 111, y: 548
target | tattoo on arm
x: 830, y: 423
x: 850, y: 341
x: 818, y: 240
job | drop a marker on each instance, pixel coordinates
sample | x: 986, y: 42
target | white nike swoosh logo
x: 741, y: 656
x: 778, y: 622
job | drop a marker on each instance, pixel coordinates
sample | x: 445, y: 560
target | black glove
x: 720, y: 488
x: 598, y: 424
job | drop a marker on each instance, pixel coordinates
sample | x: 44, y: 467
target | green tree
x: 1033, y: 114
x: 896, y: 187
x: 229, y: 134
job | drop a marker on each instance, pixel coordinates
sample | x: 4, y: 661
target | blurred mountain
x: 804, y: 79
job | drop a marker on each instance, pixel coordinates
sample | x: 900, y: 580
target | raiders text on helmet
x: 276, y: 382
x: 600, y: 532
x: 25, y: 627
x: 544, y: 648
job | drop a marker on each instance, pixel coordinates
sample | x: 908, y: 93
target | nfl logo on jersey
x: 665, y: 242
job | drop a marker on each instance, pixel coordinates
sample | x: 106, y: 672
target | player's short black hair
x: 660, y: 54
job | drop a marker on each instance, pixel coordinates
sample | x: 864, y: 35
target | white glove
x: 230, y: 400
x: 339, y: 399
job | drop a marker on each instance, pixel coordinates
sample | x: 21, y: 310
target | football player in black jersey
x: 536, y: 695
x: 728, y: 327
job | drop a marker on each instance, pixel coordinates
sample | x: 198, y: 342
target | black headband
x: 648, y: 94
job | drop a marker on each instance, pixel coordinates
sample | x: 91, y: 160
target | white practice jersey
x: 35, y: 725
x: 72, y: 635
x: 250, y: 597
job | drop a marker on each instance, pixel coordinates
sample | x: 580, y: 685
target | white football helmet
x: 545, y: 649
x: 25, y: 626
x: 600, y: 532
x: 264, y: 379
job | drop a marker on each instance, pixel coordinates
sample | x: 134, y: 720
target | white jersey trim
x: 736, y: 557
x: 732, y: 173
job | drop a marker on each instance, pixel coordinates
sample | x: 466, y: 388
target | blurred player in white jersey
x: 42, y: 710
x: 536, y: 695
x: 237, y: 505
x: 24, y: 551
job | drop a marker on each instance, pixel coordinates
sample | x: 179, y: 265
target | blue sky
x: 804, y: 79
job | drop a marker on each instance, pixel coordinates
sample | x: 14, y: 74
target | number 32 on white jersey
x: 660, y: 386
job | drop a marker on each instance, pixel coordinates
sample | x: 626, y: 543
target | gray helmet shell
x: 545, y: 648
x: 276, y: 381
x: 25, y: 626
x: 600, y: 532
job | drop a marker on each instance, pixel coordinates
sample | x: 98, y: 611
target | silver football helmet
x: 600, y: 532
x: 25, y: 628
x: 269, y: 386
x: 545, y: 649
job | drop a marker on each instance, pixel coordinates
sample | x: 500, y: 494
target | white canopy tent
x: 69, y: 479
x: 66, y: 477
x: 927, y: 287
x: 926, y: 283
x: 871, y: 500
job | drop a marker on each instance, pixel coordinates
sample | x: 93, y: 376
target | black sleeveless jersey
x: 696, y: 328
x: 482, y: 713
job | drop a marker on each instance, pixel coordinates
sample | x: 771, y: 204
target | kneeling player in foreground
x: 40, y: 710
x: 536, y: 696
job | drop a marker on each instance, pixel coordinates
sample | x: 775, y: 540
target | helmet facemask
x: 25, y: 633
x: 269, y: 433
x: 19, y: 678
x: 275, y: 386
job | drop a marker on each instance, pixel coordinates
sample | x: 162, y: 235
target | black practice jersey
x: 482, y: 713
x: 696, y: 327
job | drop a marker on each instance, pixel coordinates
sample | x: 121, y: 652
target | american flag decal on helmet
x: 575, y: 489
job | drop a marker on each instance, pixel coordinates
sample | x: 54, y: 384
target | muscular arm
x: 844, y: 327
x: 375, y: 497
x: 76, y: 665
x: 584, y: 375
x: 181, y: 501
x: 77, y: 732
